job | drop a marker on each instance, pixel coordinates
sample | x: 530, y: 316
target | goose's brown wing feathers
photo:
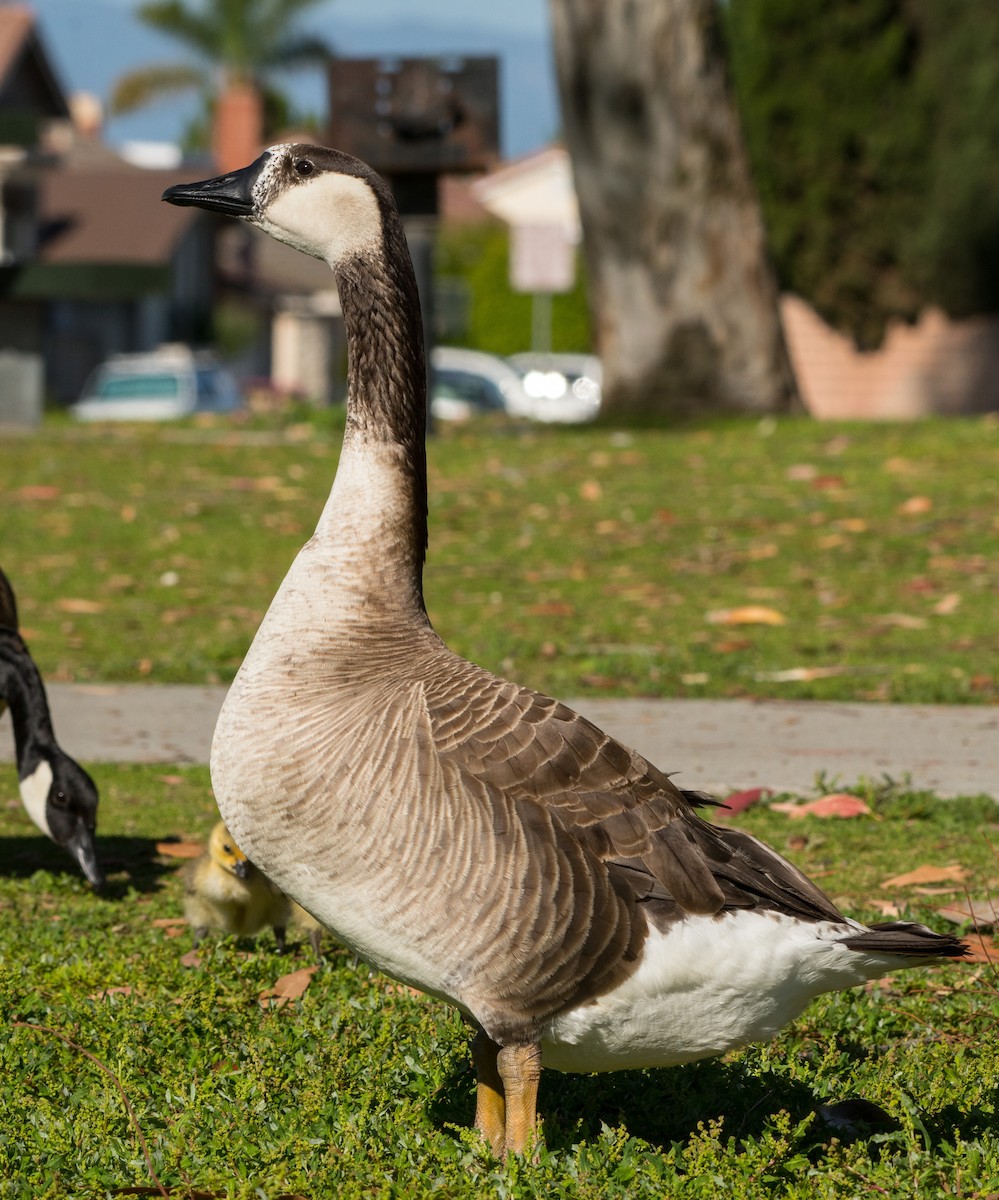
x: 529, y: 749
x: 615, y: 803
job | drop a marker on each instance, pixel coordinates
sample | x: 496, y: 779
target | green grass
x: 361, y: 1089
x: 582, y: 561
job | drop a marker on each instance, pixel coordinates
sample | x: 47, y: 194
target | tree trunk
x: 684, y: 299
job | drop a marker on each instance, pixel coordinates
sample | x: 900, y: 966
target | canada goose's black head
x: 320, y: 201
x: 61, y: 799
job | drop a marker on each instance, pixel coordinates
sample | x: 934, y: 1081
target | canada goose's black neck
x: 21, y: 686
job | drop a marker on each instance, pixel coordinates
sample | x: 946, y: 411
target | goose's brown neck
x: 386, y: 400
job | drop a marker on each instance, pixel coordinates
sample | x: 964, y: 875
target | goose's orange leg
x: 490, y: 1107
x: 519, y: 1069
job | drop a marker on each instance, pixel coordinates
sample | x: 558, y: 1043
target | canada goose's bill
x: 284, y: 188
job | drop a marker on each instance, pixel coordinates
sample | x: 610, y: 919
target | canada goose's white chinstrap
x: 57, y: 793
x: 473, y: 838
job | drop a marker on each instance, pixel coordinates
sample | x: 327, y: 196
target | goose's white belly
x: 706, y: 986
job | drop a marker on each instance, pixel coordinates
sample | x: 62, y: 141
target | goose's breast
x: 704, y: 986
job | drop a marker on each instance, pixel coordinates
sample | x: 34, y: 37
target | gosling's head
x: 224, y: 852
x: 320, y: 201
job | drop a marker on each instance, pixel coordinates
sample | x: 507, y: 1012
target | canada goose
x: 59, y: 795
x: 472, y: 838
x: 224, y: 890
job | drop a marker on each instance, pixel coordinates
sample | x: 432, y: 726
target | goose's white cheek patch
x: 328, y: 216
x: 35, y: 793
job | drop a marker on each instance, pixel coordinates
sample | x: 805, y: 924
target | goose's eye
x: 304, y: 167
x: 59, y: 798
x: 227, y: 849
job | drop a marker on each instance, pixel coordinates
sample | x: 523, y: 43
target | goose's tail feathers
x: 906, y: 939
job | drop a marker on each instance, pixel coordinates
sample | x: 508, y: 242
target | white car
x: 162, y: 385
x: 464, y: 383
x: 560, y: 387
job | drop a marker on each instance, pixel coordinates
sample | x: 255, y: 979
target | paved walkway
x: 716, y: 745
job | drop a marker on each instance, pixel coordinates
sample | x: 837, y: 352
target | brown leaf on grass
x: 947, y: 604
x: 746, y: 614
x: 37, y: 491
x: 836, y: 804
x: 167, y: 922
x: 123, y: 989
x: 885, y: 907
x: 590, y: 489
x: 801, y: 472
x: 191, y: 959
x: 551, y: 608
x: 983, y: 949
x: 288, y: 987
x: 180, y: 849
x: 897, y: 620
x: 983, y: 913
x: 915, y: 505
x: 927, y: 874
x: 74, y: 604
x: 798, y: 674
x: 738, y: 802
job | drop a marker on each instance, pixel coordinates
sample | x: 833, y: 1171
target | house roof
x: 108, y: 214
x: 27, y: 80
x: 534, y: 190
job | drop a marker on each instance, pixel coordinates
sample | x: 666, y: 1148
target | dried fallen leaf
x: 801, y: 472
x: 73, y: 604
x: 983, y: 949
x: 37, y: 491
x: 288, y: 987
x: 747, y: 614
x: 915, y: 505
x: 947, y: 604
x: 116, y: 990
x: 551, y: 608
x: 180, y: 849
x: 167, y: 922
x: 983, y: 913
x: 899, y: 620
x: 739, y: 801
x: 590, y: 490
x: 191, y: 959
x: 927, y: 874
x: 798, y: 674
x: 885, y: 907
x: 836, y: 804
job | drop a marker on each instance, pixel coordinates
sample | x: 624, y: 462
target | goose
x: 58, y: 794
x: 472, y: 838
x: 223, y: 890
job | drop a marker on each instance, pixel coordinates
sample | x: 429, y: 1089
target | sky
x: 76, y: 36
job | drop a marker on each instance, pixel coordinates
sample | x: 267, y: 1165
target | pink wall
x: 935, y: 366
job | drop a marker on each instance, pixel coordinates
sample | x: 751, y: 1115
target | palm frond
x: 198, y: 30
x: 296, y: 52
x: 141, y: 87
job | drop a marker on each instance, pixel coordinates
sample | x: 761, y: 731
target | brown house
x: 91, y: 263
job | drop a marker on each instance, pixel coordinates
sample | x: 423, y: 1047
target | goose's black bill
x: 81, y: 845
x: 231, y: 193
